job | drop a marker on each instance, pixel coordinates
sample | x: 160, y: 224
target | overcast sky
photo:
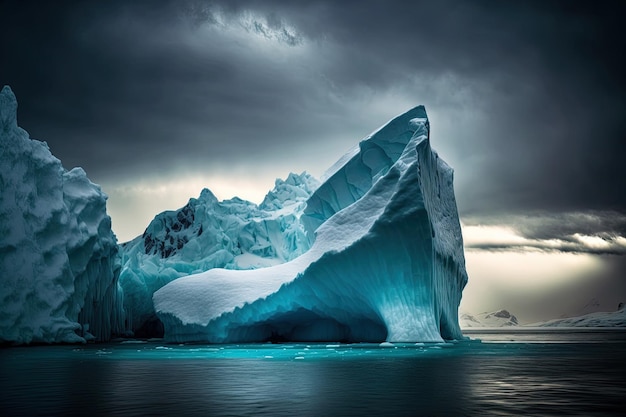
x: 527, y: 101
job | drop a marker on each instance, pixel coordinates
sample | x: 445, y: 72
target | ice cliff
x: 207, y: 233
x: 379, y: 244
x: 58, y: 256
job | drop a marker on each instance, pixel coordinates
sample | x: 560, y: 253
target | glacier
x: 379, y: 256
x: 59, y: 263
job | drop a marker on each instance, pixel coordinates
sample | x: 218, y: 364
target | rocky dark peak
x: 502, y: 314
x: 171, y: 234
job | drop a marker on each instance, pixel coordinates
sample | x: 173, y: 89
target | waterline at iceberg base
x: 385, y: 262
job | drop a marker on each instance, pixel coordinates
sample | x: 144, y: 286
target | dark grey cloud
x: 547, y: 75
x: 562, y: 226
x: 532, y: 93
x: 592, y: 232
x: 569, y: 246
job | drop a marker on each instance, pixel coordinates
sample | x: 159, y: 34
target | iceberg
x: 379, y: 257
x: 207, y: 233
x: 59, y: 263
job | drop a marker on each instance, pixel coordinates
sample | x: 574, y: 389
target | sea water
x: 493, y: 373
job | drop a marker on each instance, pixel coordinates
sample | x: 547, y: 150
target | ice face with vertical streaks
x: 385, y: 260
x: 59, y: 264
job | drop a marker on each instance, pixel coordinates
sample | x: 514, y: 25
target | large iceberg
x: 58, y: 256
x: 384, y: 261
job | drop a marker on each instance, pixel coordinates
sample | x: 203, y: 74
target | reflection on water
x: 505, y: 374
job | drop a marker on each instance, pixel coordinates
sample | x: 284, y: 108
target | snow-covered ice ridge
x: 58, y: 256
x: 380, y: 257
x: 207, y: 233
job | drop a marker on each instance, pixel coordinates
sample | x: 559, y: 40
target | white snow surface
x: 384, y: 262
x: 58, y: 256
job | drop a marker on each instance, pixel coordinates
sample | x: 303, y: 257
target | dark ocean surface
x: 538, y: 373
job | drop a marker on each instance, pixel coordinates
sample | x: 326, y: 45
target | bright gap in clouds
x: 501, y: 237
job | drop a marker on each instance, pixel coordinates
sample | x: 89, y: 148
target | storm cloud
x: 527, y: 99
x: 592, y: 232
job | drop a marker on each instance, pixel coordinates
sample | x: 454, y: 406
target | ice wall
x: 58, y: 256
x: 207, y: 233
x: 386, y: 262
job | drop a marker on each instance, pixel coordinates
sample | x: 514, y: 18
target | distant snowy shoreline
x: 504, y: 321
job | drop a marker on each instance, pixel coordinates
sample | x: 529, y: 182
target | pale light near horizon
x: 533, y: 283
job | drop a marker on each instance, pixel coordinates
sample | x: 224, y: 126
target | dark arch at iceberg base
x: 299, y: 325
x: 387, y: 262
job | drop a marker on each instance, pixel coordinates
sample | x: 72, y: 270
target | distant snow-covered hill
x: 500, y: 318
x: 503, y: 318
x: 596, y: 319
